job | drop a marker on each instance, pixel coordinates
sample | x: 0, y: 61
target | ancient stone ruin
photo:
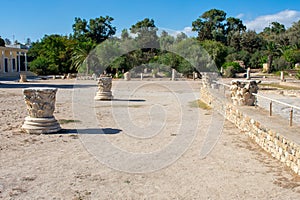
x: 208, y: 79
x: 40, y: 104
x: 127, y: 76
x: 104, y: 89
x: 242, y: 92
x: 23, y: 78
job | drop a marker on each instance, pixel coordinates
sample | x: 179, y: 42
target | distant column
x: 142, y: 76
x: 173, y: 74
x: 2, y: 60
x: 19, y: 61
x: 11, y: 62
x: 25, y: 61
x: 248, y: 73
x: 282, y: 76
x: 127, y: 76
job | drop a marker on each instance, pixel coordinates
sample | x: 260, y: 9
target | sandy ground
x: 68, y: 165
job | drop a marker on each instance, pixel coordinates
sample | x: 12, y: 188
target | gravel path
x: 150, y: 118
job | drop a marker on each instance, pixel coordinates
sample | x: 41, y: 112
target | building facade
x: 13, y: 59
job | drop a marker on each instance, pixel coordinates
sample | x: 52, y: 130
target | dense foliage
x: 2, y: 42
x: 225, y: 39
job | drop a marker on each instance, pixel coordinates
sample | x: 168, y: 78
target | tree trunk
x: 87, y: 69
x: 270, y: 61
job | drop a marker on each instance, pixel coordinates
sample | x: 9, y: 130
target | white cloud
x: 187, y: 30
x: 239, y: 16
x: 286, y: 17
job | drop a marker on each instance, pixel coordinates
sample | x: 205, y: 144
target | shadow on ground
x: 130, y: 100
x: 27, y: 85
x: 96, y: 131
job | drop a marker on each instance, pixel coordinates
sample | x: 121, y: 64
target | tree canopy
x: 2, y: 42
x: 225, y: 40
x: 98, y: 29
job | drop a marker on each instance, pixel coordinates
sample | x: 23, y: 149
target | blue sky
x: 35, y: 18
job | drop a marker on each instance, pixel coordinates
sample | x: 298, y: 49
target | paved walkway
x: 279, y: 109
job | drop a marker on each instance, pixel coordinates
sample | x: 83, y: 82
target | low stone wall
x: 277, y: 145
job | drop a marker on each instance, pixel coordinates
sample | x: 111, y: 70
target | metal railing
x: 292, y: 107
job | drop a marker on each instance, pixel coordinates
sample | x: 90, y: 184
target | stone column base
x: 40, y: 125
x: 103, y: 96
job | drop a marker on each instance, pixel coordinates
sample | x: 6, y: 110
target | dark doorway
x: 13, y: 64
x: 5, y: 64
x: 22, y: 63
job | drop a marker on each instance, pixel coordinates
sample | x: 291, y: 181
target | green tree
x: 80, y: 55
x: 194, y: 54
x: 251, y: 41
x: 234, y: 25
x: 234, y: 40
x: 210, y: 25
x: 256, y: 60
x: 98, y: 29
x: 293, y: 34
x: 146, y: 33
x: 292, y: 56
x: 2, y: 42
x: 276, y: 33
x: 181, y: 36
x: 125, y: 35
x: 58, y: 52
x: 165, y: 40
x: 40, y: 65
x: 216, y: 50
x: 234, y: 29
x: 274, y: 28
x: 239, y: 55
x: 271, y: 51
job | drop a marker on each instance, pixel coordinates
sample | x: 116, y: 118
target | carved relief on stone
x: 104, y: 84
x: 40, y: 103
x: 104, y: 89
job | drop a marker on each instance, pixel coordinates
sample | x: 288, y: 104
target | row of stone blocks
x: 276, y: 144
x: 40, y: 103
x: 280, y: 147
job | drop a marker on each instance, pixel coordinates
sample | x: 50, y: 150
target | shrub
x: 229, y: 72
x: 298, y: 75
x: 40, y: 66
x: 281, y: 64
x: 236, y: 66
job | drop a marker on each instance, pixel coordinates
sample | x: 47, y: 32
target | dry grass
x: 200, y: 104
x: 67, y: 121
x: 278, y: 86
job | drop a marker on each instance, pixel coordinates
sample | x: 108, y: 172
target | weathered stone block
x: 40, y: 104
x: 104, y: 89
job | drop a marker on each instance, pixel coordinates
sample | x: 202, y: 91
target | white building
x: 13, y: 58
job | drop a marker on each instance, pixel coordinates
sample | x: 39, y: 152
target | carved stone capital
x: 40, y: 103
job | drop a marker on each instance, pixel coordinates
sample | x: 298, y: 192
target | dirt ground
x: 145, y: 118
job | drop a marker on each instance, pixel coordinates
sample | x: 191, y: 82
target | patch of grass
x: 276, y: 85
x: 127, y: 181
x: 67, y: 121
x: 199, y: 104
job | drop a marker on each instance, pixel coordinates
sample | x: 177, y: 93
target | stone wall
x: 242, y: 92
x: 279, y: 146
